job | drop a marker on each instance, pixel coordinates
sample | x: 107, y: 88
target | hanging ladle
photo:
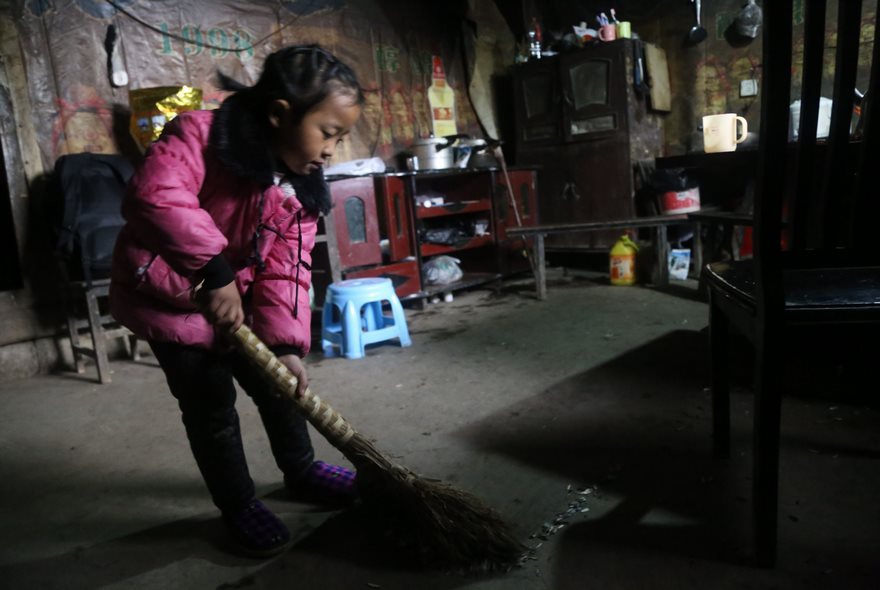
x: 697, y: 32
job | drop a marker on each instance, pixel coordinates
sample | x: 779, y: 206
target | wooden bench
x: 661, y: 245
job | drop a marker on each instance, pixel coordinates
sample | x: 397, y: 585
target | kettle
x: 476, y: 153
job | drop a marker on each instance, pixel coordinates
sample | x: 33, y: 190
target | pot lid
x: 430, y: 141
x: 475, y: 142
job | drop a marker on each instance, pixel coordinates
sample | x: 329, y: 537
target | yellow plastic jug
x: 623, y: 261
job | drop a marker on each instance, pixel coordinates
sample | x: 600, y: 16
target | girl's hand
x: 223, y: 308
x: 295, y: 364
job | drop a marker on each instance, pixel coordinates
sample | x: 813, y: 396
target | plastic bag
x: 749, y: 20
x: 151, y: 108
x: 442, y: 270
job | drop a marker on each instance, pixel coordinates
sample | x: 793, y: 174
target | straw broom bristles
x: 451, y: 527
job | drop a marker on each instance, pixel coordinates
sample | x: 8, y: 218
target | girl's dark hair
x: 302, y: 75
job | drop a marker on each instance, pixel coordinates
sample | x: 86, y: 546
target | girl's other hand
x: 223, y: 308
x: 295, y: 364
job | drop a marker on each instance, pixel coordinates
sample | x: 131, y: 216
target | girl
x: 229, y: 200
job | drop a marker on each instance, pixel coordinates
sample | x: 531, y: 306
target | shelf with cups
x: 380, y: 226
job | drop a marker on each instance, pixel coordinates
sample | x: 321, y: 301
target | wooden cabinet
x: 453, y: 216
x: 394, y: 216
x: 523, y: 192
x: 391, y: 225
x: 579, y: 117
x: 367, y: 233
x: 355, y: 221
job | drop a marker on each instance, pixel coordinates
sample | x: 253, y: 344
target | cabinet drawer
x: 404, y: 276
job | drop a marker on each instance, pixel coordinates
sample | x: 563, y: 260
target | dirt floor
x: 584, y: 420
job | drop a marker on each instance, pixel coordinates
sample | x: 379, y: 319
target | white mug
x: 719, y: 132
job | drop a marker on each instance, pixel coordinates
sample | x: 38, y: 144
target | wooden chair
x: 89, y: 191
x: 815, y: 210
x: 86, y: 321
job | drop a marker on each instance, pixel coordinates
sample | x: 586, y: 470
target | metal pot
x: 433, y: 153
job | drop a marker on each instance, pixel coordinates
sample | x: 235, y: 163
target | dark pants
x: 201, y: 380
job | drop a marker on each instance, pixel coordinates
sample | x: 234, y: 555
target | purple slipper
x: 256, y: 530
x: 324, y: 483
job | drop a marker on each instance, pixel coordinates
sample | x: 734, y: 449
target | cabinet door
x: 524, y: 185
x: 395, y: 216
x: 584, y: 182
x: 537, y: 102
x: 558, y: 201
x: 355, y: 222
x: 602, y: 188
x: 512, y: 252
x: 594, y: 92
x: 596, y: 126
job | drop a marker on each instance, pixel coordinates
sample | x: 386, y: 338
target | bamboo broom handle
x: 325, y: 419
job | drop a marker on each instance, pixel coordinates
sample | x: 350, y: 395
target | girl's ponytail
x: 238, y: 135
x: 230, y: 84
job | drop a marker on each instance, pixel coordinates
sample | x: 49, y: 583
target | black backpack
x: 90, y: 188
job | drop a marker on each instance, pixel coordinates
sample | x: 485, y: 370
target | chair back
x: 816, y: 200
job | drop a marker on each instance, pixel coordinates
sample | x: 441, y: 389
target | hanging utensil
x: 697, y: 32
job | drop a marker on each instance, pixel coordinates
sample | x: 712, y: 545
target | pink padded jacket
x: 182, y: 210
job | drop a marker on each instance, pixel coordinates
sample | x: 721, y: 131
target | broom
x: 451, y: 527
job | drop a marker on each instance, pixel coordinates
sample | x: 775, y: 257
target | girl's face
x: 309, y: 145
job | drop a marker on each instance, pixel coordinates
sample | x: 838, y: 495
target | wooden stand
x: 379, y: 224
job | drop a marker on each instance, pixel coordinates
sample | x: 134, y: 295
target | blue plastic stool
x: 361, y: 320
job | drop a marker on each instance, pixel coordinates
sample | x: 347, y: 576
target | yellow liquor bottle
x: 442, y: 100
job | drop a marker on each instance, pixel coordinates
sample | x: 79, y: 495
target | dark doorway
x: 10, y: 269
